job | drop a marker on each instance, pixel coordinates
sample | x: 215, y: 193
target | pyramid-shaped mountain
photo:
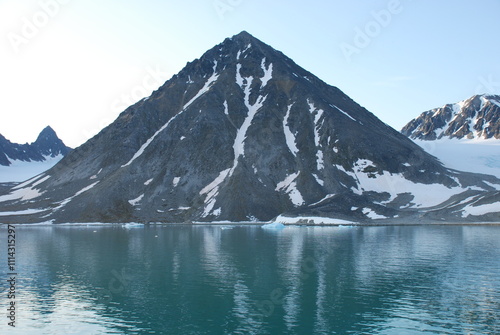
x: 245, y: 134
x: 477, y: 117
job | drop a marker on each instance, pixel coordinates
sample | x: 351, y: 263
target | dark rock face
x: 46, y: 145
x: 477, y: 117
x: 241, y: 134
x: 22, y: 152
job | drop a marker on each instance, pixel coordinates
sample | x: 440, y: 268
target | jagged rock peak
x: 47, y: 144
x: 244, y: 37
x: 47, y: 133
x: 231, y: 50
x: 476, y: 117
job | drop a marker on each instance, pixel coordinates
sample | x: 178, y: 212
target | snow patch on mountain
x: 350, y: 117
x: 96, y: 175
x: 480, y: 209
x: 370, y: 213
x: 424, y: 195
x: 212, y: 190
x: 268, y: 72
x: 328, y: 196
x: 28, y: 182
x: 496, y: 102
x: 214, y: 184
x: 289, y: 186
x: 23, y: 212
x: 239, y: 78
x: 176, y: 181
x: 247, y: 48
x: 68, y: 200
x: 252, y: 109
x: 289, y: 136
x: 210, y: 81
x: 317, y: 126
x: 136, y: 201
x: 22, y: 194
x: 318, y: 179
x: 239, y: 142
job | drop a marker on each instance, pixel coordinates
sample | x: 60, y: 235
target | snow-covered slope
x: 19, y: 162
x: 480, y: 156
x: 20, y: 170
x: 464, y: 136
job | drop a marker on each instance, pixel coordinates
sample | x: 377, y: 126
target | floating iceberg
x: 274, y: 225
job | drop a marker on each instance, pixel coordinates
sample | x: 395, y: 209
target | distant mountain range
x: 477, y: 117
x: 245, y: 134
x: 19, y: 162
x: 46, y: 145
x: 463, y: 135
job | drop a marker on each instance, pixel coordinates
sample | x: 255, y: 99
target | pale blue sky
x: 86, y: 61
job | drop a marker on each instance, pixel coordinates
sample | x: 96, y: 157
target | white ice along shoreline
x: 312, y: 220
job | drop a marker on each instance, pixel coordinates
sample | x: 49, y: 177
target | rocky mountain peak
x: 47, y: 144
x: 47, y: 133
x: 476, y: 117
x: 242, y: 134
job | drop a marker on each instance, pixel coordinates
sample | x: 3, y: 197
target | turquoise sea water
x: 249, y: 280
